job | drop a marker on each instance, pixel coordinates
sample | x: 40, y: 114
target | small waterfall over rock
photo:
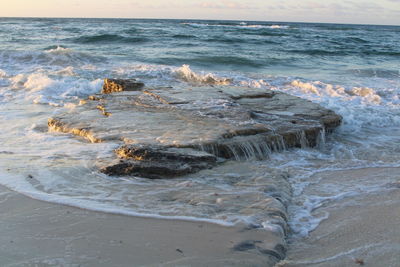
x: 224, y: 122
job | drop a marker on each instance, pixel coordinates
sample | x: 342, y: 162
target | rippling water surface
x: 46, y: 65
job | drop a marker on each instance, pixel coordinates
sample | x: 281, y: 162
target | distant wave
x: 55, y: 48
x: 230, y: 60
x: 376, y: 73
x: 183, y: 36
x: 348, y: 50
x: 356, y: 40
x: 131, y: 31
x: 317, y: 52
x: 214, y: 60
x: 108, y: 38
x: 234, y: 40
x: 51, y: 56
x: 381, y: 53
x: 271, y: 33
x: 240, y: 25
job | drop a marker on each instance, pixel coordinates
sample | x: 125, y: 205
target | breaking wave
x: 52, y: 56
x: 186, y: 74
x: 237, y: 25
x: 43, y: 87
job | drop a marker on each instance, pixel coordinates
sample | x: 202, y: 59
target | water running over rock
x: 163, y: 130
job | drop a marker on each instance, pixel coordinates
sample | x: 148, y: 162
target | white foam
x: 304, y: 210
x: 265, y: 26
x: 186, y: 74
x: 3, y: 74
x: 367, y: 95
x: 279, y: 26
x: 240, y: 25
x: 59, y: 50
x: 195, y: 24
x: 67, y: 71
x: 41, y: 88
x: 19, y: 184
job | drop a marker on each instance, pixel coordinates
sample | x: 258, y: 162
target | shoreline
x: 361, y: 229
x: 42, y: 233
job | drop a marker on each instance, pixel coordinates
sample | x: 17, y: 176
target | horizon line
x: 268, y: 21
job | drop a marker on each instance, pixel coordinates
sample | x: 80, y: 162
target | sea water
x: 47, y: 65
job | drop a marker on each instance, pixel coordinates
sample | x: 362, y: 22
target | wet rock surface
x: 157, y: 162
x: 168, y: 132
x: 119, y: 85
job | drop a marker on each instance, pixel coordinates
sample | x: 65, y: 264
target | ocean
x: 48, y: 65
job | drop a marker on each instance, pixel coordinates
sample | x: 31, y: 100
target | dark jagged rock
x: 119, y: 85
x: 148, y: 169
x: 252, y: 94
x: 165, y: 123
x: 157, y: 162
x: 55, y: 125
x: 94, y: 98
x: 152, y: 153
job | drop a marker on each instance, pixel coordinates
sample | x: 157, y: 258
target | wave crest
x: 2, y: 73
x: 366, y: 95
x: 41, y: 88
x: 107, y: 38
x: 243, y: 25
x: 186, y: 74
x: 52, y: 56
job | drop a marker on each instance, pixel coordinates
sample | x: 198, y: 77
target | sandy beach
x: 360, y: 230
x: 36, y: 233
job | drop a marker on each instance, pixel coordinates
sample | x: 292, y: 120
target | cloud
x: 343, y: 8
x: 364, y: 6
x: 225, y: 5
x: 149, y: 4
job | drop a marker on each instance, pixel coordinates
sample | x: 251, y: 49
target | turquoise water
x: 46, y: 65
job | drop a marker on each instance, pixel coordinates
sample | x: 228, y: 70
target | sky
x: 331, y: 11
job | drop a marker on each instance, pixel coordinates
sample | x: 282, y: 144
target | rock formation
x: 119, y: 85
x: 159, y: 162
x: 168, y: 132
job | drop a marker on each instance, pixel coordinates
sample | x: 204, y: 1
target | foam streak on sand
x: 361, y: 226
x: 28, y: 190
x: 29, y: 239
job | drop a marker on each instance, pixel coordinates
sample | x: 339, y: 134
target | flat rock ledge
x: 169, y: 132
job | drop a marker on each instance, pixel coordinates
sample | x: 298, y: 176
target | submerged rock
x: 168, y: 132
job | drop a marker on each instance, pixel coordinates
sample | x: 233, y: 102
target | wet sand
x: 36, y: 233
x: 361, y: 230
